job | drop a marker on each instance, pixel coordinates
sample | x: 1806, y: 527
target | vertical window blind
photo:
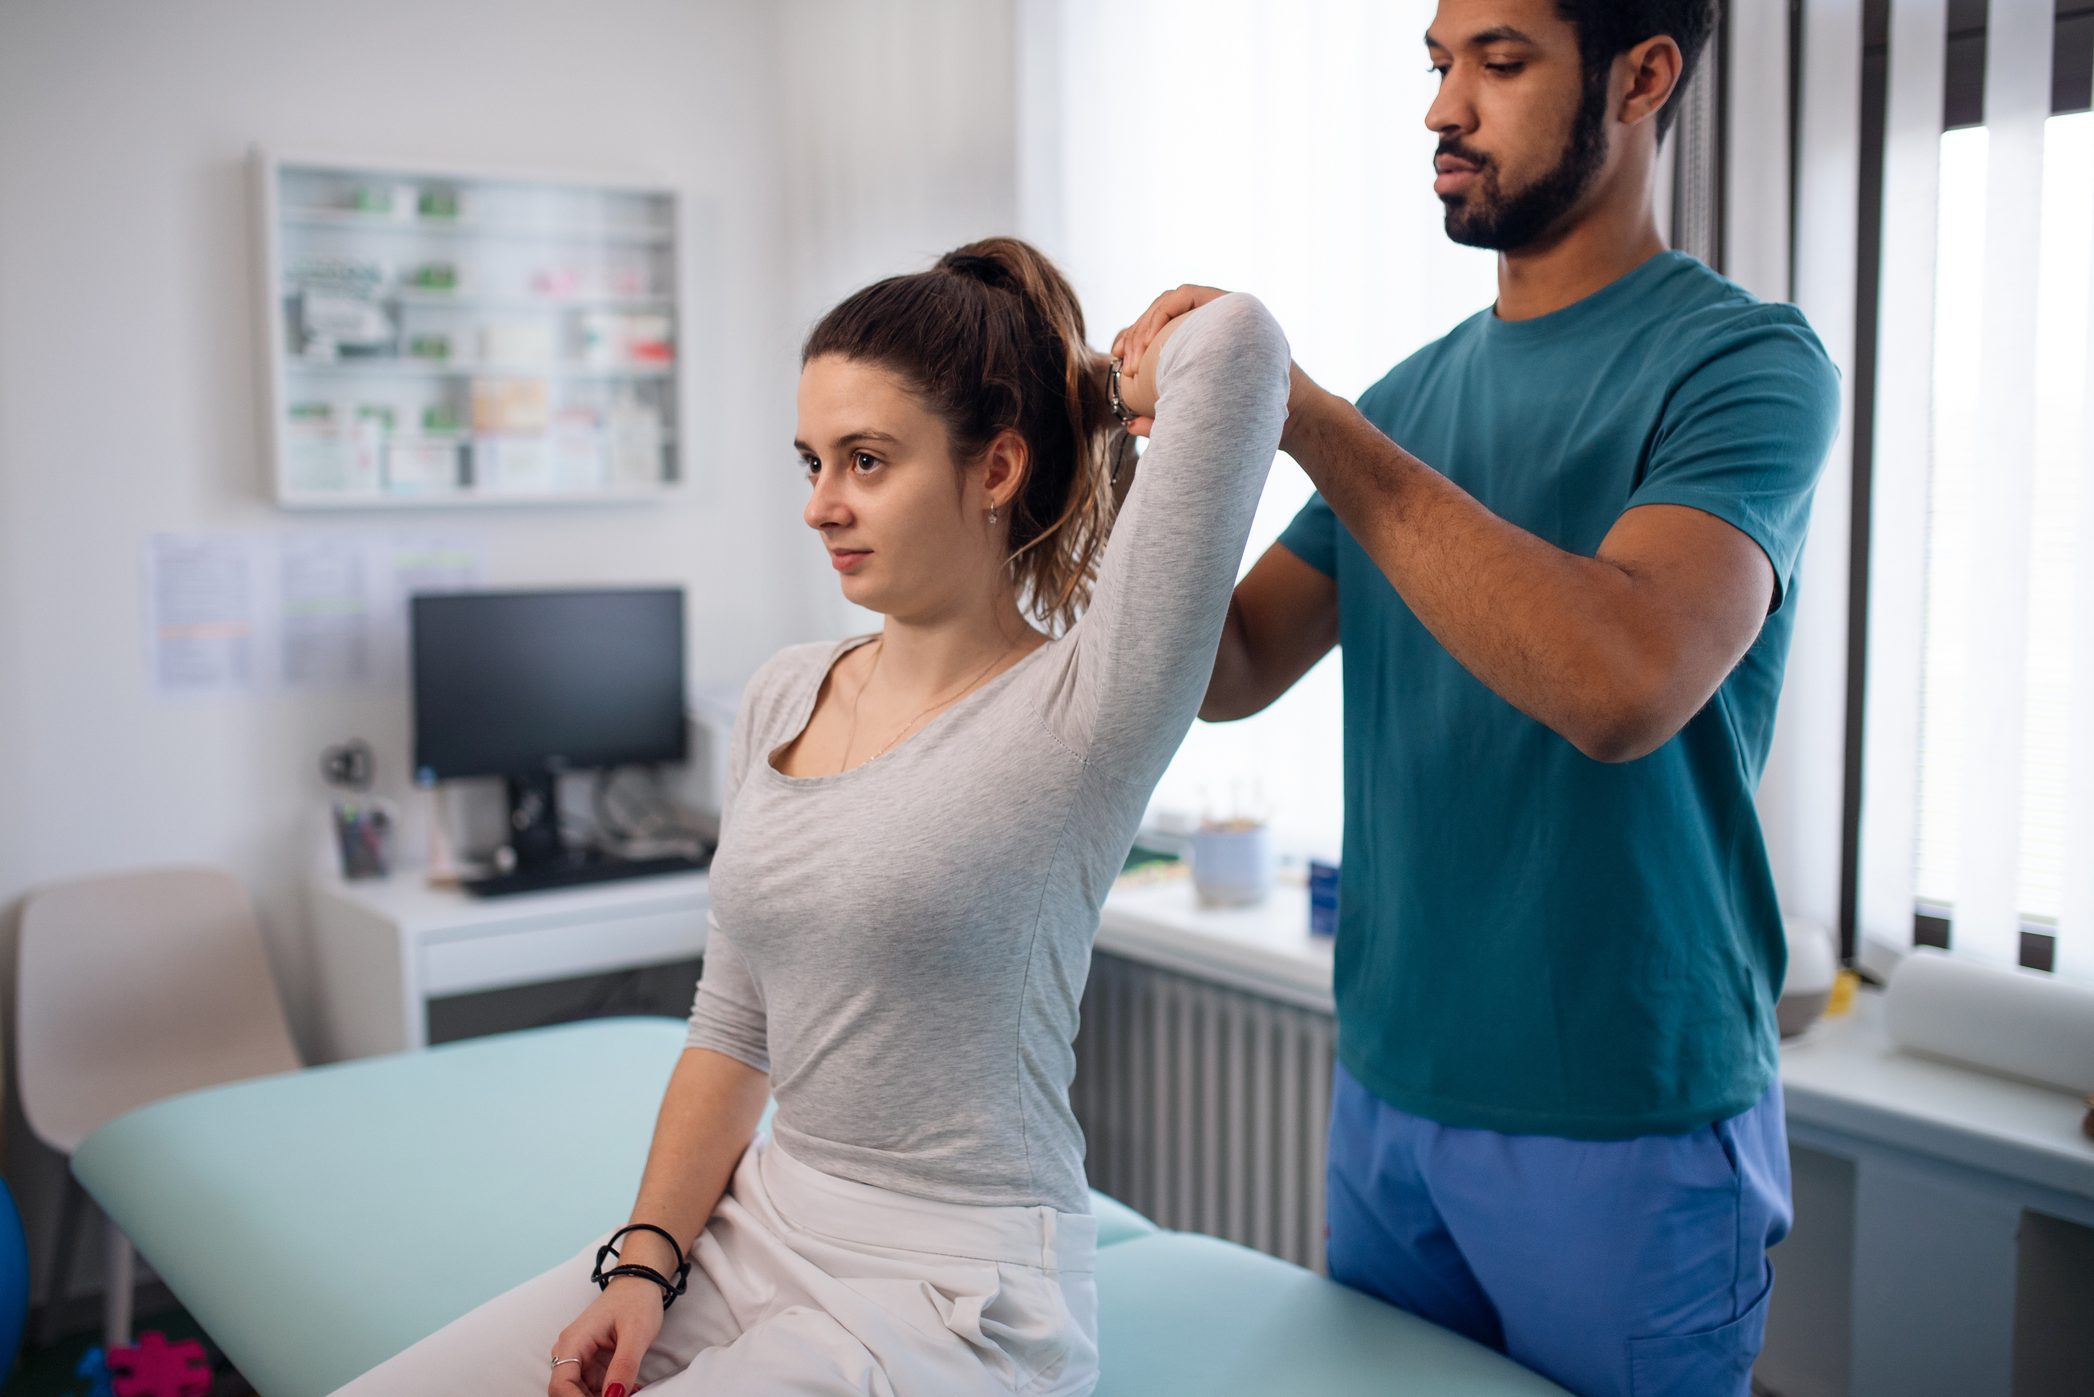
x: 1977, y: 800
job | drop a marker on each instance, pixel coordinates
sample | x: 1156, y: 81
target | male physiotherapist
x: 1559, y: 549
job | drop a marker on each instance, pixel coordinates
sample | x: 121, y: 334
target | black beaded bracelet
x: 670, y: 1289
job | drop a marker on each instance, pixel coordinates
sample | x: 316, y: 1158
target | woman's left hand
x: 1140, y: 346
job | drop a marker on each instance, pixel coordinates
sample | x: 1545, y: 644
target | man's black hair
x: 1609, y: 28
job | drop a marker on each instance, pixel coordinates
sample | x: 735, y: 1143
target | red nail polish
x: 616, y: 1389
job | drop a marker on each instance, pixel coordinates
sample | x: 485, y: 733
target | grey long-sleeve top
x: 902, y: 946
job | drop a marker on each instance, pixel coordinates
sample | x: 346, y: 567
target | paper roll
x: 2014, y: 1023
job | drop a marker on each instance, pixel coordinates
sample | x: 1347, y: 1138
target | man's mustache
x: 1463, y: 153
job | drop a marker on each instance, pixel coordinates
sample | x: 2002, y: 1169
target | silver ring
x: 557, y: 1361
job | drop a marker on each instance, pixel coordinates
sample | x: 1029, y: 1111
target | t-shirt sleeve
x: 727, y: 1015
x: 1745, y: 434
x: 1312, y: 536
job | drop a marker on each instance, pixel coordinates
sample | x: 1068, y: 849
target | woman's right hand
x: 610, y: 1338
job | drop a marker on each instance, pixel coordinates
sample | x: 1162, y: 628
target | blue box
x: 1323, y: 898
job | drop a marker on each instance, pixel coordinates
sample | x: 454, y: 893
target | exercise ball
x: 14, y: 1282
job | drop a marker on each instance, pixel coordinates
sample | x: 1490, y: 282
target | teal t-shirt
x: 1531, y: 941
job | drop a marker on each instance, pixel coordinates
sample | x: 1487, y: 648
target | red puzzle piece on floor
x: 155, y: 1368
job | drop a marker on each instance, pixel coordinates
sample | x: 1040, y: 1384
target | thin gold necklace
x: 903, y: 731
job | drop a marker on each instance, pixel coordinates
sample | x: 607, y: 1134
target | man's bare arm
x: 1614, y: 652
x: 1283, y: 618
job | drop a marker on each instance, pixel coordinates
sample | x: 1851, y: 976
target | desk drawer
x: 528, y: 953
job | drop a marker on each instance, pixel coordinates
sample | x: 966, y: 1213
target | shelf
x: 524, y: 301
x: 468, y: 228
x: 466, y: 368
x: 461, y: 437
x: 417, y: 299
x: 474, y: 499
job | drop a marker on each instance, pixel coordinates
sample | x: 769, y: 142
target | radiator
x: 1205, y: 1107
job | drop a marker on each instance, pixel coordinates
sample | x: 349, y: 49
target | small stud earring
x: 992, y: 514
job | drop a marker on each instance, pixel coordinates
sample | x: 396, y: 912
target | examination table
x: 318, y: 1222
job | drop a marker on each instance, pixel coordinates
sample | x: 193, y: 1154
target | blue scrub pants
x: 1618, y: 1268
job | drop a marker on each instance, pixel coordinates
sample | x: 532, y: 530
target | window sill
x: 1844, y: 1077
x: 1265, y: 950
x: 1845, y: 1083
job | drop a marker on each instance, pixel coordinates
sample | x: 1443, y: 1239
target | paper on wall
x: 257, y: 613
x: 202, y: 614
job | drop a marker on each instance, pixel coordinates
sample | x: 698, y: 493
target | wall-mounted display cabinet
x: 445, y: 337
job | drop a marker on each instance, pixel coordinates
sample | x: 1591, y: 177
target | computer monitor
x: 526, y: 685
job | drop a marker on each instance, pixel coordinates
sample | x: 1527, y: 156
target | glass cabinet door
x: 460, y: 338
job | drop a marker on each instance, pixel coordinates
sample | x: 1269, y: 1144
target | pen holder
x: 363, y: 831
x: 1232, y: 864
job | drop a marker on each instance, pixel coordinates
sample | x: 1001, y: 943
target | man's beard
x: 1486, y: 219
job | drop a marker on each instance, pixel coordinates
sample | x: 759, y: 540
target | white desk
x: 386, y: 947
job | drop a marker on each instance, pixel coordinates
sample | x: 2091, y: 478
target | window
x: 1273, y: 149
x: 1977, y: 801
x: 2065, y: 231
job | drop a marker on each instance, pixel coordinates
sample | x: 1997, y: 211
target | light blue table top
x: 292, y: 1216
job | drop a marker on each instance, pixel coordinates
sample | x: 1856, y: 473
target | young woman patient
x: 921, y: 825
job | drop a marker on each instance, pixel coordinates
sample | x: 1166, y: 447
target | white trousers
x: 807, y: 1284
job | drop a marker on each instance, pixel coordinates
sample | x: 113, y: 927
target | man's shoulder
x: 1690, y: 317
x: 1707, y: 315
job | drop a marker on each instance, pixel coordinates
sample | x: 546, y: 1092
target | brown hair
x: 991, y: 339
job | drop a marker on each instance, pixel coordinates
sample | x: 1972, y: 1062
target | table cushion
x: 292, y: 1215
x: 1191, y: 1315
x: 1117, y: 1222
x: 266, y: 1203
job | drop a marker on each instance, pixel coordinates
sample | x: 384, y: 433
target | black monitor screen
x: 516, y: 683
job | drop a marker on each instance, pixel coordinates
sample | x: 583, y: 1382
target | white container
x: 513, y: 465
x: 1814, y: 967
x: 636, y: 443
x: 1232, y: 864
x: 602, y: 339
x: 319, y: 459
x: 518, y: 343
x: 578, y: 456
x: 421, y: 467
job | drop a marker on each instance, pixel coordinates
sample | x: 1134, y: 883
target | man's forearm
x: 1555, y: 634
x: 709, y: 1112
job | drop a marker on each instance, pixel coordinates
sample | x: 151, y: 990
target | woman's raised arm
x: 1215, y: 381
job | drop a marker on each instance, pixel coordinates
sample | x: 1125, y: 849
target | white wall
x: 900, y: 144
x: 129, y: 373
